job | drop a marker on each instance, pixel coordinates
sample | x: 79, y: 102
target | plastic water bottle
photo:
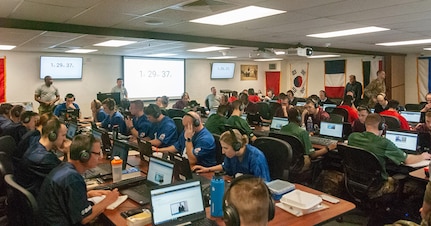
x: 115, y: 132
x: 310, y: 127
x: 117, y: 168
x: 217, y: 191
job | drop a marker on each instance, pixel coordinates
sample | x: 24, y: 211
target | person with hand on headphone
x: 314, y: 111
x: 64, y: 200
x: 39, y: 159
x: 240, y: 157
x: 69, y: 103
x: 163, y: 127
x: 372, y: 141
x: 294, y: 129
x: 244, y: 203
x: 196, y: 142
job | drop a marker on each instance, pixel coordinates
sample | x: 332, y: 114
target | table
x: 281, y: 217
x: 419, y: 174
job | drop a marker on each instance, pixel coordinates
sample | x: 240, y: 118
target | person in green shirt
x: 237, y: 122
x: 293, y: 129
x: 215, y: 123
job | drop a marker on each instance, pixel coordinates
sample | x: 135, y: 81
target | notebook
x: 411, y: 116
x: 160, y: 172
x: 71, y: 130
x: 331, y: 130
x: 179, y: 204
x: 403, y: 140
x: 278, y: 122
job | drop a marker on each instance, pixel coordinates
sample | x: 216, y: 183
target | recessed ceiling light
x: 238, y: 15
x: 81, y: 50
x: 402, y: 43
x: 153, y: 22
x: 355, y: 31
x: 323, y: 56
x: 280, y: 52
x: 208, y: 49
x: 427, y: 48
x: 6, y: 47
x: 269, y: 59
x: 222, y: 57
x: 115, y: 43
x: 161, y: 55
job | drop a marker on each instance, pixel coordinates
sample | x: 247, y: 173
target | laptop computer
x: 329, y: 105
x: 71, y: 130
x: 300, y: 103
x: 179, y: 204
x: 106, y: 141
x: 160, y: 172
x: 405, y: 141
x: 254, y: 119
x: 145, y: 150
x: 69, y: 115
x: 331, y: 130
x: 413, y: 117
x: 278, y: 122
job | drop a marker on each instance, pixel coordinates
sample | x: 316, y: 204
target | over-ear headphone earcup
x: 195, y: 122
x: 52, y: 136
x: 26, y: 120
x: 235, y: 144
x: 230, y: 215
x: 84, y: 156
x: 271, y: 208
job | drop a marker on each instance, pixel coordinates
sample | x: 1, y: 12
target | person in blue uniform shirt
x: 139, y: 126
x: 195, y: 142
x: 39, y: 159
x: 97, y: 111
x: 114, y: 118
x: 65, y: 197
x: 240, y: 157
x: 68, y: 104
x: 165, y: 131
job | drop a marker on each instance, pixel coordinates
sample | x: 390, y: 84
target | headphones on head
x: 52, y: 135
x: 85, y: 155
x: 154, y: 110
x: 382, y: 124
x: 363, y: 107
x: 16, y: 110
x: 230, y: 213
x: 69, y: 95
x: 315, y: 103
x: 299, y: 116
x: 27, y: 117
x: 236, y: 145
x: 195, y: 122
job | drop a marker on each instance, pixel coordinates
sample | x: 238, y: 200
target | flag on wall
x: 369, y: 70
x: 272, y: 82
x: 335, y: 78
x: 423, y: 77
x: 2, y: 79
x: 299, y: 78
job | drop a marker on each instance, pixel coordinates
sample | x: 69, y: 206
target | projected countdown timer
x: 155, y: 74
x: 61, y: 67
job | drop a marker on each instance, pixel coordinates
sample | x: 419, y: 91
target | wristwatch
x: 189, y: 139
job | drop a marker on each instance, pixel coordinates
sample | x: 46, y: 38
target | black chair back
x: 273, y: 106
x: 392, y: 122
x: 5, y: 168
x: 172, y: 113
x: 298, y: 151
x: 264, y: 110
x: 22, y: 207
x: 329, y: 109
x: 412, y: 107
x: 7, y: 145
x: 336, y: 118
x: 219, y: 154
x: 179, y: 124
x: 277, y: 153
x: 341, y: 111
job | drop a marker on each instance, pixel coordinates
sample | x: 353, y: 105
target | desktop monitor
x: 121, y: 150
x: 116, y: 96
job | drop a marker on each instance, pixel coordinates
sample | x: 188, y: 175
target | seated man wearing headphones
x: 163, y: 128
x: 314, y: 111
x: 236, y: 121
x: 97, y: 111
x: 372, y: 141
x: 39, y: 159
x: 196, y: 140
x: 64, y: 200
x: 241, y: 157
x: 28, y: 120
x: 215, y: 123
x: 139, y: 126
x: 392, y: 110
x: 68, y: 104
x: 294, y: 129
x: 114, y: 117
x: 248, y: 201
x: 382, y: 103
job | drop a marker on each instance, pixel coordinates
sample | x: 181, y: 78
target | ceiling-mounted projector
x: 261, y: 54
x: 306, y: 51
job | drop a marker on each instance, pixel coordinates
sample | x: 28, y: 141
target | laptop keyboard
x: 321, y: 140
x: 127, y: 183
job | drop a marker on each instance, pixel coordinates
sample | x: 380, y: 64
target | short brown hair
x: 373, y: 120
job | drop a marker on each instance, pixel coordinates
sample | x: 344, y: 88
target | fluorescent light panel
x: 402, y: 43
x: 348, y: 32
x: 323, y: 56
x: 81, y: 50
x: 6, y: 47
x: 269, y: 59
x: 238, y: 15
x: 427, y: 48
x: 208, y: 49
x: 162, y: 55
x: 115, y: 43
x: 222, y: 57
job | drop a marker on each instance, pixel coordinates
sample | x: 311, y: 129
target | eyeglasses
x: 100, y: 154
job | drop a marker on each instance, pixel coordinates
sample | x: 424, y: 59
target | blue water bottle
x: 217, y: 192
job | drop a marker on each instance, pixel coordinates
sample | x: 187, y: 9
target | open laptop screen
x: 160, y: 171
x: 411, y: 116
x: 403, y: 140
x: 71, y: 131
x: 331, y: 129
x: 177, y: 203
x: 278, y: 122
x: 97, y: 134
x: 300, y: 103
x: 121, y: 150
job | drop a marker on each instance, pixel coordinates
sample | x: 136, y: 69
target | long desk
x: 281, y: 217
x: 419, y: 174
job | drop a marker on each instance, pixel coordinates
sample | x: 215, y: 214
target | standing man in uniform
x: 46, y: 95
x: 375, y: 87
x: 119, y: 88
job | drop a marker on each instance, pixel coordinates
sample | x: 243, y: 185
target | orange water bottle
x: 117, y: 167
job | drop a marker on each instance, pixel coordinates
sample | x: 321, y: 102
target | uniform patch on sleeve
x: 162, y: 137
x: 196, y: 151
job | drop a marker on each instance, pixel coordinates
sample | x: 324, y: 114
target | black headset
x: 69, y: 95
x: 196, y: 121
x: 316, y: 103
x: 52, y: 135
x: 236, y: 145
x: 382, y: 124
x: 230, y: 214
x: 85, y: 155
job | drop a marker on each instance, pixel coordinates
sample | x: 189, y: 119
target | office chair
x: 278, y: 154
x: 329, y: 109
x: 219, y: 154
x: 341, y: 111
x: 5, y: 168
x: 412, y: 107
x: 264, y: 110
x: 273, y: 106
x: 7, y: 145
x: 179, y: 124
x: 392, y: 122
x: 336, y: 118
x: 22, y: 208
x: 172, y: 113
